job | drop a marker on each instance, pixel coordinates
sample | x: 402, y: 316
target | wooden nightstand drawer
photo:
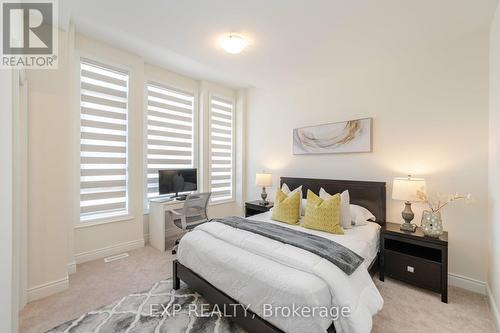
x: 414, y: 258
x: 418, y: 271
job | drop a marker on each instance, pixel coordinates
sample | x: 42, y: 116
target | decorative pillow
x: 323, y: 215
x: 360, y: 215
x: 287, y: 208
x: 287, y: 191
x: 345, y: 212
x: 303, y: 206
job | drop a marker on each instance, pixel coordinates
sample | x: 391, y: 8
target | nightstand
x: 254, y: 207
x: 414, y: 258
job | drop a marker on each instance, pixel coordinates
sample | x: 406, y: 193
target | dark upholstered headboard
x: 370, y: 195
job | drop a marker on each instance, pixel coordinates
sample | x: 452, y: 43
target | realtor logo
x: 29, y: 34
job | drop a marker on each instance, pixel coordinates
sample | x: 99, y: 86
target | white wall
x: 202, y: 89
x: 494, y: 169
x: 429, y: 103
x: 206, y: 90
x: 50, y: 206
x: 8, y: 308
x: 54, y: 243
x: 98, y: 240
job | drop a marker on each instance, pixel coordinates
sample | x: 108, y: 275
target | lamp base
x: 411, y: 227
x: 263, y: 195
x: 408, y: 215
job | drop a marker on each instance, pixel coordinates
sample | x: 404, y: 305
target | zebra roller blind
x: 221, y: 149
x: 103, y: 141
x: 170, y: 132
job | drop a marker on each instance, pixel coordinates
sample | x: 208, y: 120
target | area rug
x: 158, y: 310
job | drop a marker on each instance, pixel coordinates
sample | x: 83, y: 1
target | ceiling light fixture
x: 233, y: 43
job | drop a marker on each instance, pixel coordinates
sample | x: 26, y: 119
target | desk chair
x: 192, y: 214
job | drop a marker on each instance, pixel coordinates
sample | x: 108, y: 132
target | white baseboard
x: 72, y: 268
x: 47, y: 289
x: 493, y: 307
x: 467, y: 283
x: 108, y: 251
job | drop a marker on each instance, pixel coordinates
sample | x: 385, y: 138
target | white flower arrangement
x: 440, y: 201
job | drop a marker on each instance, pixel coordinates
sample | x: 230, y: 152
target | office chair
x: 191, y: 215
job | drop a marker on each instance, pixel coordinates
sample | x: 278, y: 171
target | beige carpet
x: 96, y: 283
x: 410, y: 309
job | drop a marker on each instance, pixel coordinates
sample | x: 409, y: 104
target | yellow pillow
x: 323, y: 215
x: 287, y: 208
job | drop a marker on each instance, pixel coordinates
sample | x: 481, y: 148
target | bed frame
x: 371, y: 195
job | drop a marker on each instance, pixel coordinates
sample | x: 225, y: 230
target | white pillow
x: 285, y: 189
x: 360, y: 215
x: 345, y: 213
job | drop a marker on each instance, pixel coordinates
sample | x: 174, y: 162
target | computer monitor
x: 175, y: 181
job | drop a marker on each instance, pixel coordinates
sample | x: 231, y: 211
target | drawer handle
x: 410, y: 269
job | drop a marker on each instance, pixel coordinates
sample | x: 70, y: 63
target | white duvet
x: 268, y: 275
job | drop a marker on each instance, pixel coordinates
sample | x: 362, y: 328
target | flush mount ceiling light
x: 233, y: 43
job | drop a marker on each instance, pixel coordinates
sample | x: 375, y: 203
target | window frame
x: 233, y: 147
x: 127, y: 214
x: 166, y: 84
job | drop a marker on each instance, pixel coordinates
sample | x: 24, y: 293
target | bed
x: 229, y: 266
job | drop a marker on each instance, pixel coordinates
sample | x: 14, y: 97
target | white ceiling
x: 290, y: 39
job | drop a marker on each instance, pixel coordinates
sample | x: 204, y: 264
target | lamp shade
x: 264, y: 179
x: 406, y: 189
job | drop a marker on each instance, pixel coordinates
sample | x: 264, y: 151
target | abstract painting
x: 353, y: 136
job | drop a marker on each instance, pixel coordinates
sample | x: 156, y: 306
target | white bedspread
x: 256, y: 270
x: 364, y: 240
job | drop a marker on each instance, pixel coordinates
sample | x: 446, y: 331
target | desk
x: 160, y: 223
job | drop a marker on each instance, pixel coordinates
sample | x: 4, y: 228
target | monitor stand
x: 181, y: 197
x: 161, y: 199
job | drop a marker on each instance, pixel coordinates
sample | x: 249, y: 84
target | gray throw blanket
x: 337, y: 254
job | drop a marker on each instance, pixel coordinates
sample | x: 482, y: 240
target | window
x: 103, y: 141
x: 170, y: 132
x: 221, y: 171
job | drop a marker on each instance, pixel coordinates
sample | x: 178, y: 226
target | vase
x: 431, y: 224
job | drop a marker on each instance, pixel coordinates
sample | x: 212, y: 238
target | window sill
x: 104, y: 220
x: 222, y: 202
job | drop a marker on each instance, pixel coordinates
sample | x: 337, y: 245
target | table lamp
x: 264, y: 179
x: 406, y: 189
